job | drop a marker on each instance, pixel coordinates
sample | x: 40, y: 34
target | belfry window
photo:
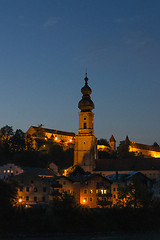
x: 85, y: 125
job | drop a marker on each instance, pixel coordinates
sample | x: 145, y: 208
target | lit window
x: 8, y: 171
x: 4, y: 171
x: 102, y: 191
x: 91, y: 191
x: 11, y: 171
x: 105, y: 191
x: 96, y: 190
x: 55, y: 138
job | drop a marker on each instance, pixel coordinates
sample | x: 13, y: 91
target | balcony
x: 100, y: 194
x: 104, y: 203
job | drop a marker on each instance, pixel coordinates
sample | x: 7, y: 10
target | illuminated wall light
x: 55, y: 138
x: 84, y: 201
x: 20, y: 200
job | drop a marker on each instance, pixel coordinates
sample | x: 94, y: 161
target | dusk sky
x: 46, y: 47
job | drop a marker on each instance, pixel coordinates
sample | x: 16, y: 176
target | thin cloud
x: 51, y: 21
x: 119, y: 20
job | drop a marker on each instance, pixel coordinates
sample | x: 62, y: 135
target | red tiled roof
x: 47, y: 130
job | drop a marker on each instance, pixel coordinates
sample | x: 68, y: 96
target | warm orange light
x: 84, y: 200
x: 20, y: 200
x: 70, y: 140
x: 55, y: 138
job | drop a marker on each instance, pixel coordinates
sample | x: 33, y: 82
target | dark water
x: 107, y: 236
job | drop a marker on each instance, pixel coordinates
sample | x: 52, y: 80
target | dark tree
x: 103, y: 141
x: 155, y: 144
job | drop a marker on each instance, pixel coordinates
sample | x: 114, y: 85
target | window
x: 35, y: 199
x: 43, y: 199
x: 11, y: 171
x: 84, y: 118
x: 4, y: 171
x: 32, y: 181
x: 114, y: 189
x: 114, y: 196
x: 91, y: 191
x: 96, y: 190
x: 85, y: 191
x: 27, y: 198
x: 44, y: 189
x: 64, y: 183
x: 105, y: 191
x: 8, y: 171
x: 21, y: 189
x: 90, y: 199
x: 85, y: 125
x: 35, y: 189
x: 27, y: 189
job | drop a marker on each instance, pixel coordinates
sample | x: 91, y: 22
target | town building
x: 124, y: 179
x: 32, y: 189
x: 9, y: 170
x: 40, y: 137
x: 91, y: 190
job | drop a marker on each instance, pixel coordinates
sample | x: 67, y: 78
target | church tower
x: 85, y: 151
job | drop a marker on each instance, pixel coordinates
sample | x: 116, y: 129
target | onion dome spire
x: 86, y: 104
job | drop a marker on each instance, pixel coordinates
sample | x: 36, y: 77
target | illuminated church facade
x: 85, y: 151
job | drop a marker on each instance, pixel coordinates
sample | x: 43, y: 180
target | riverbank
x: 89, y: 236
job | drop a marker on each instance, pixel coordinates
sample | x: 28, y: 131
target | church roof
x: 135, y: 164
x: 112, y: 139
x: 144, y: 147
x: 86, y: 104
x: 47, y: 130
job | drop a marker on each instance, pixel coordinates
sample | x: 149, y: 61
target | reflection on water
x: 107, y: 236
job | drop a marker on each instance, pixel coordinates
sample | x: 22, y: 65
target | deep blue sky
x: 46, y: 46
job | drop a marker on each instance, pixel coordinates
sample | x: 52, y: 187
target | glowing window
x: 4, y: 171
x: 91, y: 191
x: 8, y: 171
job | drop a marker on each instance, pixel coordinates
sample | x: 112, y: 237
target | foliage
x: 74, y: 170
x: 135, y: 194
x: 63, y: 202
x: 103, y: 141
